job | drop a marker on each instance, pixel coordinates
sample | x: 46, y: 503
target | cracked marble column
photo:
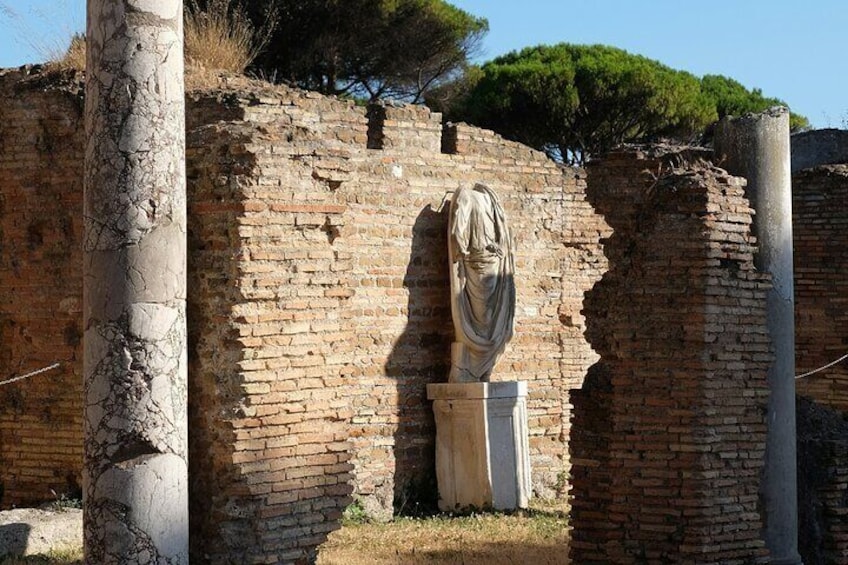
x: 757, y: 148
x: 136, y: 472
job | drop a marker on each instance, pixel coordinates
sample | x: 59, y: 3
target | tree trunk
x: 135, y: 483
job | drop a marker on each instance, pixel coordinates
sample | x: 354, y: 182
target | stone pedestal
x: 482, y: 451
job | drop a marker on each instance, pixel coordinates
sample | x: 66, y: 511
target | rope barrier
x: 28, y: 375
x: 56, y: 365
x: 822, y: 368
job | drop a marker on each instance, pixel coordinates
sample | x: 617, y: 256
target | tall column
x: 135, y: 477
x: 757, y: 148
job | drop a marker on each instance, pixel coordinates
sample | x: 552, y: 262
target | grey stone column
x: 757, y: 148
x: 135, y: 472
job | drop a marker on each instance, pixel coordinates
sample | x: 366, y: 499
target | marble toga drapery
x: 482, y: 284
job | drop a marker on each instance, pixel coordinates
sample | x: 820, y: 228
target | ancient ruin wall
x: 401, y: 304
x: 327, y: 263
x: 822, y: 484
x: 269, y: 319
x: 820, y: 233
x: 820, y: 218
x: 317, y: 303
x: 41, y: 164
x: 669, y: 430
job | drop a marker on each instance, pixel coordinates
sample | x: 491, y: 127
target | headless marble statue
x: 482, y: 285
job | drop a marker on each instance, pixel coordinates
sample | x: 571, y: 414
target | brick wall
x: 820, y: 219
x: 40, y: 287
x: 401, y: 302
x: 822, y: 484
x: 320, y: 304
x: 820, y: 233
x: 318, y: 312
x: 669, y: 430
x: 269, y: 451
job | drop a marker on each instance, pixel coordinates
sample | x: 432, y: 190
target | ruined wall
x: 820, y: 233
x: 270, y: 326
x: 401, y: 303
x: 320, y: 238
x: 822, y: 484
x: 318, y: 307
x: 669, y: 430
x: 318, y: 303
x: 40, y: 287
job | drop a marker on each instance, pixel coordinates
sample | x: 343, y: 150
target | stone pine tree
x: 135, y: 503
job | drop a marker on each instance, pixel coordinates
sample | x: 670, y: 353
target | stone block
x: 482, y: 448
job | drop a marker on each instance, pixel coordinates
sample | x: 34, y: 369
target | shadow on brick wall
x: 822, y: 479
x: 421, y: 355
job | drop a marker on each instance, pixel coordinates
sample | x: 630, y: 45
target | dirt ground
x: 56, y: 533
x: 538, y: 536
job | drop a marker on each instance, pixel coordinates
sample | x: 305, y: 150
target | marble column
x: 135, y: 472
x: 757, y: 147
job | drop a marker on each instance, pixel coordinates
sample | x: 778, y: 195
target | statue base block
x: 482, y: 450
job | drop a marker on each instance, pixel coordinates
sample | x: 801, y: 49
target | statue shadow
x: 421, y: 355
x: 14, y: 539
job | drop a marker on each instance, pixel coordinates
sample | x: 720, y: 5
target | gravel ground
x: 31, y: 531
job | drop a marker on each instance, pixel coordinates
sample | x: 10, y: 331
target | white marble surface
x: 482, y: 450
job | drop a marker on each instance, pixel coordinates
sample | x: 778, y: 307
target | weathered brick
x: 651, y: 425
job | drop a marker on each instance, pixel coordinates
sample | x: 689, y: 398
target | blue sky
x: 31, y: 30
x: 792, y: 49
x: 795, y: 50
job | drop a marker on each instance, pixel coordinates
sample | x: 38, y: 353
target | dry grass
x: 539, y: 536
x: 74, y: 56
x: 221, y: 37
